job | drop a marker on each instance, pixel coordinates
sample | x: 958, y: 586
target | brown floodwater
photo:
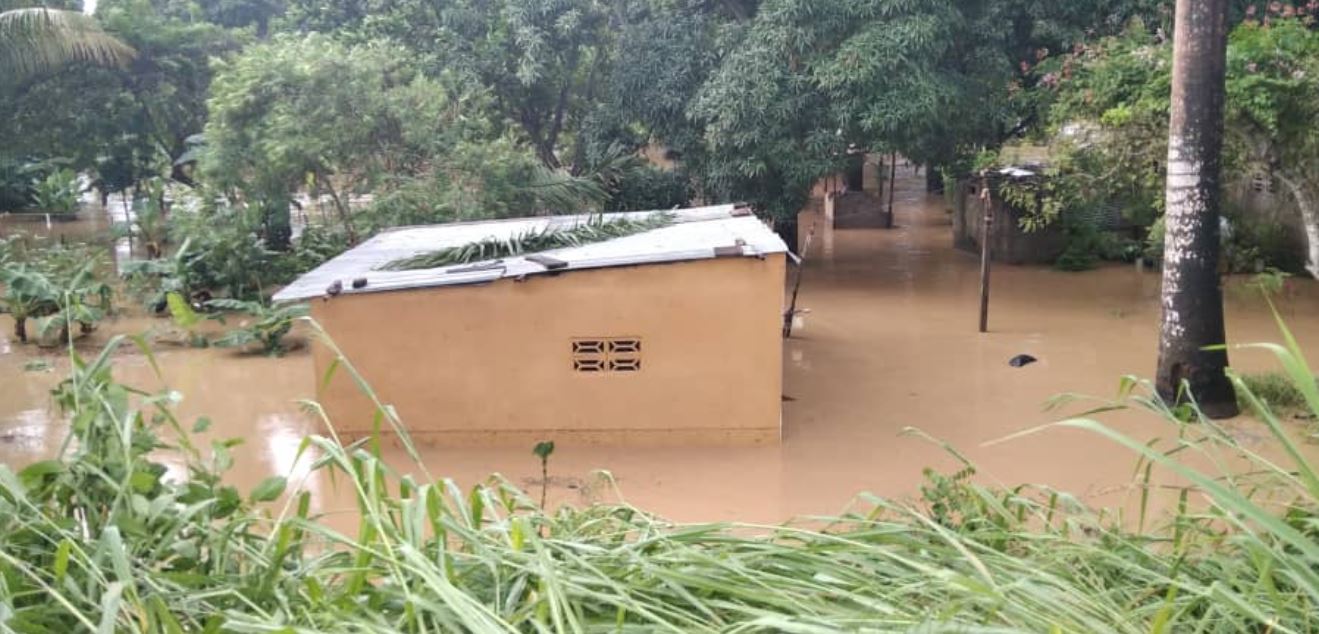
x: 889, y: 342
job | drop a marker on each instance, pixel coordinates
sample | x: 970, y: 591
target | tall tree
x: 1192, y: 295
x: 128, y: 123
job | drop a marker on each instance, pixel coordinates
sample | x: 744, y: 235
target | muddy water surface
x: 889, y: 342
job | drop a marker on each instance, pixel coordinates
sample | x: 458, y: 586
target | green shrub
x: 59, y: 286
x: 264, y: 325
x: 56, y: 192
x: 15, y: 184
x: 647, y: 188
x: 1274, y: 389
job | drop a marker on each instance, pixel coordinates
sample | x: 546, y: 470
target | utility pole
x: 1192, y: 295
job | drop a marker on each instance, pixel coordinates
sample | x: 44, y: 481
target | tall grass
x: 100, y: 539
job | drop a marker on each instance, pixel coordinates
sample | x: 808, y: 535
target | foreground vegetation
x: 102, y: 538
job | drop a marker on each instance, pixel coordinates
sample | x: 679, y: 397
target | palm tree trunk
x: 1192, y: 295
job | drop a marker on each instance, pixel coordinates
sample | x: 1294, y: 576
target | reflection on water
x: 889, y: 342
x: 282, y: 436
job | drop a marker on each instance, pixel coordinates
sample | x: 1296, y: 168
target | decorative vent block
x: 606, y: 354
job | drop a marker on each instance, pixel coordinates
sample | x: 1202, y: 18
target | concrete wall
x: 494, y: 363
x: 1009, y: 243
x: 857, y: 210
x: 1262, y: 201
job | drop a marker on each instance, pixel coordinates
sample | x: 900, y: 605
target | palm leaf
x: 595, y: 229
x: 37, y: 40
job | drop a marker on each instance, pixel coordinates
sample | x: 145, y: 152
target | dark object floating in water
x: 1022, y: 360
x: 788, y: 399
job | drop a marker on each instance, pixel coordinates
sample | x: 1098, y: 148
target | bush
x: 58, y: 286
x: 15, y: 185
x: 231, y: 255
x: 264, y: 325
x: 648, y: 188
x: 27, y: 186
x: 57, y: 193
x: 1252, y: 247
x: 1277, y: 391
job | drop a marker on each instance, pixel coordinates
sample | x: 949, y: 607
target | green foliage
x: 1276, y: 391
x: 36, y: 40
x: 669, y: 52
x: 122, y: 125
x: 58, y: 286
x: 150, y: 224
x: 19, y: 179
x: 152, y: 281
x: 338, y: 120
x: 596, y: 228
x: 646, y: 187
x: 540, y: 60
x: 1270, y: 282
x: 15, y: 184
x: 230, y: 257
x: 264, y: 325
x: 1109, y: 113
x: 57, y: 193
x: 809, y: 80
x: 543, y: 450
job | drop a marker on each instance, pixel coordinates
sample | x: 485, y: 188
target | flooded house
x: 668, y: 335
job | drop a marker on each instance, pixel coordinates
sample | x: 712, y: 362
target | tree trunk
x: 1192, y: 295
x: 340, y: 207
x: 20, y: 329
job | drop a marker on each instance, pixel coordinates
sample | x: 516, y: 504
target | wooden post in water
x: 892, y: 180
x: 791, y: 312
x: 988, y: 204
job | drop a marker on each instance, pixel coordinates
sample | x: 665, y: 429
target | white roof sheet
x: 695, y: 234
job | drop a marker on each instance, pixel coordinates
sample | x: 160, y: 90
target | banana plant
x: 266, y: 324
x: 28, y: 294
x: 154, y: 280
x: 57, y: 193
x: 54, y: 298
x: 82, y: 299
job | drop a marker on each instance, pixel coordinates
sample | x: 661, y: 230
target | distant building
x: 669, y: 336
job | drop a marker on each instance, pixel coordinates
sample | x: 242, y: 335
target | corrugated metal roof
x: 694, y: 235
